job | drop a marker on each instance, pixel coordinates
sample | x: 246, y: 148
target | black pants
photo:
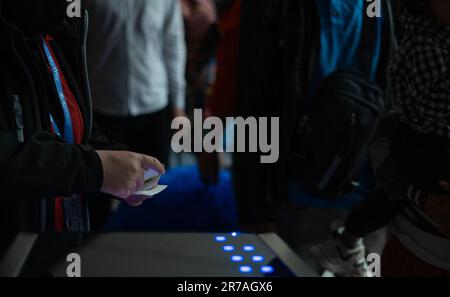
x: 147, y: 134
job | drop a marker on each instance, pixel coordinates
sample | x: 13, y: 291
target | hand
x: 123, y: 172
x: 136, y: 201
x: 437, y: 208
x: 209, y: 167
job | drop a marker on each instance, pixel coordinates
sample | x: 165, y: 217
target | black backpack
x: 334, y: 137
x: 337, y: 126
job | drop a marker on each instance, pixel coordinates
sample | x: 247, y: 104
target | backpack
x: 334, y: 135
x: 333, y: 139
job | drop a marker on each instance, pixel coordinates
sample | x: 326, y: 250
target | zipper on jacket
x: 88, y: 98
x: 18, y: 116
x: 87, y: 88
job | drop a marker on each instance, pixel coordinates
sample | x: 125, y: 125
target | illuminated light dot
x: 267, y: 269
x: 221, y: 238
x: 237, y: 258
x: 258, y: 258
x: 234, y: 234
x: 228, y: 248
x: 249, y: 248
x: 245, y: 269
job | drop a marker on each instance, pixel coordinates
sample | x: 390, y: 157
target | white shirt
x: 136, y: 56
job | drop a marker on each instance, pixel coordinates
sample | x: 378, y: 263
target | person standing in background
x: 419, y: 74
x: 137, y: 60
x: 221, y: 102
x: 201, y: 33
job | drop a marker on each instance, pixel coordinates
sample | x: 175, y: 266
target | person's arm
x: 174, y: 48
x: 45, y: 166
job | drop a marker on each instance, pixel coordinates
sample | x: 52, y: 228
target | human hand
x: 123, y: 172
x: 136, y: 201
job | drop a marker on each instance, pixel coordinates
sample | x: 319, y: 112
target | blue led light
x: 249, y: 248
x: 237, y: 258
x: 221, y: 238
x: 234, y: 234
x: 228, y: 248
x: 267, y: 269
x: 245, y: 269
x: 258, y: 258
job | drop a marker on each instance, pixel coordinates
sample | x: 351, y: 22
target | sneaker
x: 335, y: 257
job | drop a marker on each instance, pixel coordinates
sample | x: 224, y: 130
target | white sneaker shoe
x: 335, y: 257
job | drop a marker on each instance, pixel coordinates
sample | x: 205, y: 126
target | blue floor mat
x: 187, y: 205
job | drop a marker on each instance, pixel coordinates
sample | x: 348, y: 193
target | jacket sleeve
x: 45, y: 166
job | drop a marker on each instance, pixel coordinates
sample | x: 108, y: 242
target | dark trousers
x: 146, y: 134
